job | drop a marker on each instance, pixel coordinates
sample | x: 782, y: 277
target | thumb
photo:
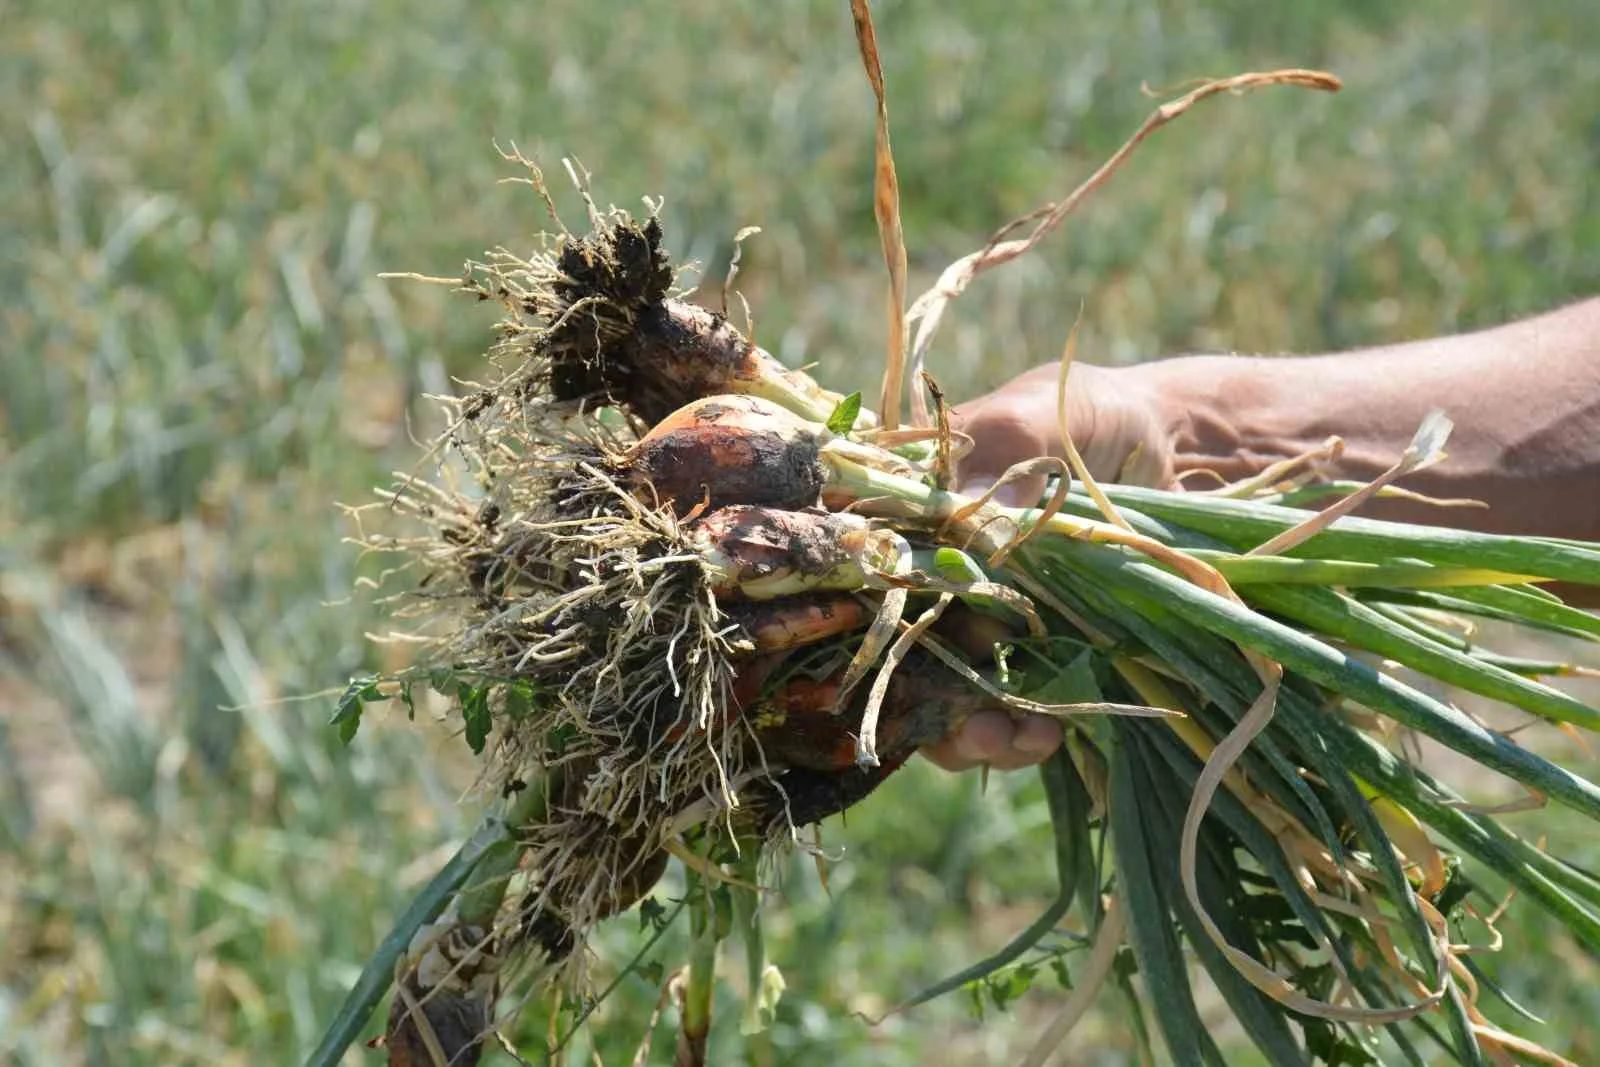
x: 1001, y: 438
x: 1016, y: 493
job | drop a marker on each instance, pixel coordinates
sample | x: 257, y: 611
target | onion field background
x: 198, y: 359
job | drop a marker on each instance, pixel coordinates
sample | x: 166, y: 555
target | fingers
x: 1151, y: 466
x: 1113, y: 415
x: 779, y: 625
x: 1020, y: 492
x: 1118, y: 427
x: 996, y: 739
x: 1003, y: 433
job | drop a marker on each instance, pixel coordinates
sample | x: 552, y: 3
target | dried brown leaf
x: 928, y: 309
x: 886, y: 207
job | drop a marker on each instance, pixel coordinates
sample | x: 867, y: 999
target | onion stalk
x: 717, y: 602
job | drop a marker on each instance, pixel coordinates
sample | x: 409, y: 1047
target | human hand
x: 1123, y: 436
x: 1112, y: 413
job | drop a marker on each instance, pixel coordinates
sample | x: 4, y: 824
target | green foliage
x: 652, y: 914
x: 474, y: 699
x: 843, y: 418
x: 474, y: 702
x: 352, y: 702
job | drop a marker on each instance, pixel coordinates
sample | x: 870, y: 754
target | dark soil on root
x: 458, y: 1023
x: 765, y: 541
x: 609, y: 280
x: 804, y: 796
x: 923, y: 701
x: 622, y: 341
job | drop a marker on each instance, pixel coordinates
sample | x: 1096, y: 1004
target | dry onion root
x: 681, y: 598
x: 662, y: 624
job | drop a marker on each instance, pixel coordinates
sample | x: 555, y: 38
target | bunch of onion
x: 677, y: 595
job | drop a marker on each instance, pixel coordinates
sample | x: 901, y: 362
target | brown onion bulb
x: 723, y: 450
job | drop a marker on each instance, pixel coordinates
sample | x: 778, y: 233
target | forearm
x: 1525, y: 399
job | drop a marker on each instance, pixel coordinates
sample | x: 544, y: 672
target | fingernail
x: 983, y: 736
x: 1038, y: 738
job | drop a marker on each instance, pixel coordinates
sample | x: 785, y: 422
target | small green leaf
x: 975, y: 999
x: 1058, y: 967
x: 352, y: 702
x: 843, y: 419
x: 652, y: 913
x: 559, y: 738
x: 442, y: 680
x: 1007, y: 985
x: 652, y: 971
x: 518, y: 700
x: 1457, y: 888
x: 475, y: 711
x: 1329, y: 1045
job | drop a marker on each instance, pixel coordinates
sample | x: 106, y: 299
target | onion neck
x: 885, y: 494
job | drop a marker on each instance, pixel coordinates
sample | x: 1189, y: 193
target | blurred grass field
x: 197, y: 359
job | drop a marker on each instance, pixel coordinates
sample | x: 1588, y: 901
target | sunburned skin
x: 1524, y: 397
